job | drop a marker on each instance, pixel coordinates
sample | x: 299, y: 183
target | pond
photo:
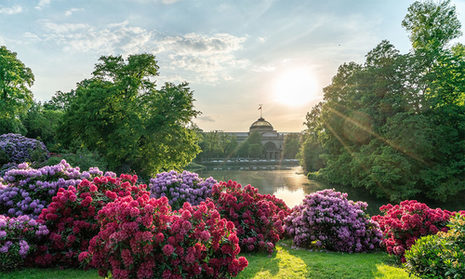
x: 290, y: 185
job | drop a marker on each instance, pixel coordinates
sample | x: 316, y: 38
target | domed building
x: 272, y: 140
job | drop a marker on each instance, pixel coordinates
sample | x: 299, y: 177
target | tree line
x: 395, y: 124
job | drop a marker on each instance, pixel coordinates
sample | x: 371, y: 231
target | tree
x: 15, y: 94
x: 394, y: 124
x: 120, y: 114
x: 291, y: 146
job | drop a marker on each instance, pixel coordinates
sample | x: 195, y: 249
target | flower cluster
x: 181, y: 187
x: 327, y: 219
x: 143, y: 238
x: 30, y: 190
x: 18, y: 237
x: 404, y: 223
x: 71, y: 216
x: 20, y: 149
x: 258, y: 218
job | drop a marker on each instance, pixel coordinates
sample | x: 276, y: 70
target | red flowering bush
x: 404, y: 223
x: 258, y: 218
x: 71, y: 217
x: 143, y: 238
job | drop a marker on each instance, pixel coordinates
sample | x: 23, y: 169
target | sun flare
x: 295, y: 87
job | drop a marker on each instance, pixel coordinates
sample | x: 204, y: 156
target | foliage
x: 142, y: 238
x: 394, y: 125
x: 441, y: 255
x: 18, y: 149
x: 402, y: 224
x: 30, y: 190
x: 327, y: 219
x: 120, y: 114
x: 216, y: 144
x: 258, y: 218
x: 252, y: 147
x: 15, y: 94
x: 181, y: 187
x: 18, y: 238
x: 83, y: 158
x: 71, y: 220
x: 291, y: 146
x: 41, y: 123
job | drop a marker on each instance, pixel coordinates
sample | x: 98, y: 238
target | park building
x: 272, y: 141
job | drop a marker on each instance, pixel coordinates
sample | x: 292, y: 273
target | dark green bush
x: 441, y: 255
x: 83, y: 159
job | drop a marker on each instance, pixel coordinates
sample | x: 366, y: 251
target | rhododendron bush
x: 27, y: 190
x: 258, y: 218
x: 18, y: 238
x: 143, y: 238
x: 20, y: 149
x: 181, y: 187
x: 71, y: 216
x: 327, y: 219
x: 404, y: 223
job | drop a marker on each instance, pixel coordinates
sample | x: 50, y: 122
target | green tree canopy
x: 15, y: 94
x: 395, y: 124
x: 120, y: 114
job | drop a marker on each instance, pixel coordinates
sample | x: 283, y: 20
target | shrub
x: 18, y: 238
x: 327, y: 219
x: 404, y: 223
x: 18, y: 149
x: 82, y: 158
x: 181, y: 187
x: 142, y: 238
x: 29, y: 190
x: 441, y: 255
x: 71, y: 217
x: 258, y: 218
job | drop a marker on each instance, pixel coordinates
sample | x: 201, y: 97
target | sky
x: 234, y: 54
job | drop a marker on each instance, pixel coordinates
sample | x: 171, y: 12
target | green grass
x: 284, y: 263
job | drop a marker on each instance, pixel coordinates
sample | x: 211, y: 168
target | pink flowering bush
x: 402, y: 224
x: 328, y: 220
x: 142, y: 238
x: 71, y: 217
x: 18, y: 239
x: 258, y: 218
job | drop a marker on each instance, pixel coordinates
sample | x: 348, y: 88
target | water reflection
x: 292, y: 185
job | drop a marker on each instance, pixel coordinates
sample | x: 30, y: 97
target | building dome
x: 261, y: 125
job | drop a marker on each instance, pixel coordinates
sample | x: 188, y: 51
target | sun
x: 295, y: 87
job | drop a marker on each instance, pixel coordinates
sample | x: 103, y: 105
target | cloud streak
x: 11, y: 10
x: 194, y: 56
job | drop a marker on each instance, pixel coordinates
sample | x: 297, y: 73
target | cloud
x: 191, y: 57
x: 169, y: 2
x: 42, y: 3
x: 206, y: 118
x: 73, y: 10
x: 11, y: 10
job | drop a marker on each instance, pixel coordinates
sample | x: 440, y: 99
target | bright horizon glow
x: 295, y: 87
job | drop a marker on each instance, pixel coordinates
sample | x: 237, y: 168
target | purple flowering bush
x: 181, y: 187
x: 328, y: 220
x: 16, y: 148
x: 18, y: 239
x: 29, y: 190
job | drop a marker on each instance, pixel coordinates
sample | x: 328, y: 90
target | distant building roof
x: 261, y: 125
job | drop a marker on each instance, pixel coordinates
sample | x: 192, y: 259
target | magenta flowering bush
x: 402, y: 224
x: 71, y: 217
x: 258, y: 218
x: 29, y: 190
x: 18, y: 239
x: 181, y: 187
x: 328, y: 220
x: 20, y: 149
x: 142, y: 238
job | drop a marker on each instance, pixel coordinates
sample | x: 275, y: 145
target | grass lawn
x: 284, y: 263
